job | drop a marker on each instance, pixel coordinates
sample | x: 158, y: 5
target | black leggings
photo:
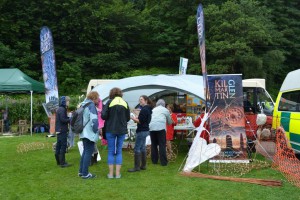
x: 61, y: 144
x: 158, y: 138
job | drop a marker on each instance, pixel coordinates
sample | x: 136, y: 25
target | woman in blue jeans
x: 89, y: 135
x: 116, y: 114
x: 142, y: 131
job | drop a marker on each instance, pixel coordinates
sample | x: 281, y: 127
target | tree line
x: 123, y: 38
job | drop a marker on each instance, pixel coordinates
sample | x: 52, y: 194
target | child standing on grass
x: 71, y: 135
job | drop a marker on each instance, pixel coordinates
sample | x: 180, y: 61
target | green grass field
x: 28, y: 171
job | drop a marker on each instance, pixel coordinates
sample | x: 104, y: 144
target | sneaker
x: 80, y: 174
x: 89, y: 176
x: 110, y: 176
x: 118, y: 176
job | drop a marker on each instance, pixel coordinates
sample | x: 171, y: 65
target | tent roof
x: 14, y: 80
x: 134, y: 87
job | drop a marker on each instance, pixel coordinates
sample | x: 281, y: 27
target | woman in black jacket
x: 142, y: 131
x: 116, y: 114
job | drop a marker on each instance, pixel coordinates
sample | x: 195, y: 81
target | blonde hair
x: 93, y: 95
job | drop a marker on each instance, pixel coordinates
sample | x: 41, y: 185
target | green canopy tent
x: 13, y: 80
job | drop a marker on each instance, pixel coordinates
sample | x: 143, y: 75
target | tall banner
x: 49, y: 74
x: 183, y: 65
x: 227, y: 121
x: 201, y: 39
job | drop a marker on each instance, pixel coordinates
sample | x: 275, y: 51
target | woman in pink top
x: 100, y: 126
x: 101, y: 121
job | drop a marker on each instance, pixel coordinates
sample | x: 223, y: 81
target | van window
x: 290, y: 101
x: 264, y: 102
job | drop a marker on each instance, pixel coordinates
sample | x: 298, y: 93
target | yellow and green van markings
x: 290, y: 122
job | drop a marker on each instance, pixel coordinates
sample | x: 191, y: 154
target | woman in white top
x: 160, y: 115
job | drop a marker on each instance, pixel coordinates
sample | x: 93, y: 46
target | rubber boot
x: 144, y: 161
x: 137, y: 162
x: 94, y: 159
x: 62, y: 161
x: 57, y: 159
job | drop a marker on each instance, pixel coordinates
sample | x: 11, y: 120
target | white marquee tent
x: 150, y: 85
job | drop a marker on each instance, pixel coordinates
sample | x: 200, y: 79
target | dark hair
x: 147, y: 99
x: 170, y: 106
x: 115, y: 92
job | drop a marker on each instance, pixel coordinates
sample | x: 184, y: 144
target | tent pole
x: 31, y: 112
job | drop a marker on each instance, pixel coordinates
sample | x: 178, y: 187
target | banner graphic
x: 227, y: 122
x: 49, y: 69
x: 201, y: 39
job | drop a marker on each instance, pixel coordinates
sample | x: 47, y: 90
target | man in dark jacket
x: 61, y: 129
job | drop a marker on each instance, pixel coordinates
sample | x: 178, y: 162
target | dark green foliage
x: 19, y: 107
x: 121, y: 38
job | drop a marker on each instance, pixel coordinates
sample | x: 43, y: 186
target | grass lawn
x: 35, y: 175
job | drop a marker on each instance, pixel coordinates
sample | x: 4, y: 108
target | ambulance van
x: 287, y: 109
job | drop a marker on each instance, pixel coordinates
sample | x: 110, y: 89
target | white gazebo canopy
x: 134, y: 87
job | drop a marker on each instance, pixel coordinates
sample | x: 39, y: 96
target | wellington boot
x: 144, y: 161
x: 137, y: 162
x: 57, y: 159
x: 62, y: 161
x: 94, y: 159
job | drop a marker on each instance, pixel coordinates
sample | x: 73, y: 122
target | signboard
x: 183, y: 65
x: 227, y: 121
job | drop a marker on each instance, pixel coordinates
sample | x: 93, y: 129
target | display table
x: 184, y: 131
x: 184, y: 128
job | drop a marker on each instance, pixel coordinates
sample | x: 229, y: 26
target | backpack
x: 76, y: 122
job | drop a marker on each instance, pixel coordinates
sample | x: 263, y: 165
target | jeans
x: 158, y: 138
x: 71, y: 137
x: 114, y: 143
x: 140, y: 142
x: 61, y: 144
x: 88, y: 148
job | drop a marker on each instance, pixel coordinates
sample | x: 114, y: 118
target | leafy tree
x: 240, y: 38
x: 285, y: 14
x: 165, y: 23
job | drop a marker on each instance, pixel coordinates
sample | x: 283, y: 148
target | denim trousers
x: 140, y: 142
x: 114, y: 144
x: 88, y: 149
x: 71, y: 137
x: 61, y: 144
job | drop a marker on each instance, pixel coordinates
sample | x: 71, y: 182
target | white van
x: 259, y: 101
x: 94, y: 82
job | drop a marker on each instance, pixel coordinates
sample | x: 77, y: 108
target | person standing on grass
x: 170, y: 127
x: 160, y: 116
x: 61, y: 129
x: 90, y: 134
x: 99, y: 108
x: 71, y: 135
x: 142, y: 131
x: 116, y: 114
